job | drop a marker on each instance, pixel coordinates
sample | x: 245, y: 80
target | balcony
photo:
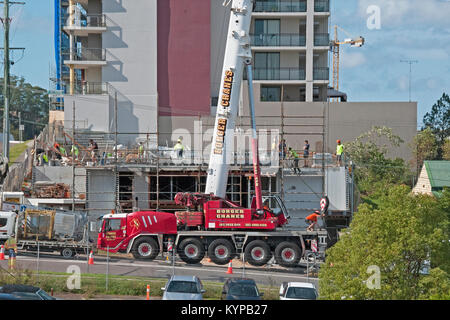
x: 86, y: 88
x: 280, y: 6
x: 321, y: 40
x: 322, y: 6
x: 321, y: 74
x: 278, y: 40
x: 278, y: 74
x: 83, y: 58
x: 84, y: 25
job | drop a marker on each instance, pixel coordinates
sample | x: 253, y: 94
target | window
x: 183, y: 287
x: 3, y: 222
x: 112, y: 224
x: 267, y: 66
x: 244, y: 290
x: 301, y: 293
x: 270, y: 93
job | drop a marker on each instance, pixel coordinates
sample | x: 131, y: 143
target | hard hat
x: 338, y: 141
x: 179, y: 140
x: 317, y: 211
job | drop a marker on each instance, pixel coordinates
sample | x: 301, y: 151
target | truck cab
x: 7, y: 224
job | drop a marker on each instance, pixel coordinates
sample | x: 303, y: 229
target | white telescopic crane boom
x: 237, y: 54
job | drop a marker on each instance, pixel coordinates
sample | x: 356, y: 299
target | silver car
x: 183, y: 288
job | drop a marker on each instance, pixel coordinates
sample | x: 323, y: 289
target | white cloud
x: 352, y: 60
x: 401, y: 12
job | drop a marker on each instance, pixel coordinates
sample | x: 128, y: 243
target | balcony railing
x: 278, y: 74
x: 280, y: 6
x: 90, y: 20
x: 322, y: 5
x: 91, y: 88
x: 321, y: 39
x: 85, y: 54
x: 321, y: 73
x: 278, y: 40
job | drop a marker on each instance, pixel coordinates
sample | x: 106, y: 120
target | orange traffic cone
x: 2, y: 253
x: 91, y: 258
x: 148, y: 292
x: 209, y: 259
x: 230, y: 268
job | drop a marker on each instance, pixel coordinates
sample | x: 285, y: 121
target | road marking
x: 122, y: 264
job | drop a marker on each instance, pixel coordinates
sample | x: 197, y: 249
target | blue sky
x: 409, y: 29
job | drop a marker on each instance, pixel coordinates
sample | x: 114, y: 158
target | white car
x: 298, y: 291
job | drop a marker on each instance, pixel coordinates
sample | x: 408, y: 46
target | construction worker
x: 294, y: 155
x: 179, y: 148
x: 74, y: 151
x: 306, y: 153
x: 63, y: 152
x: 339, y: 151
x: 11, y: 246
x: 312, y: 220
x: 141, y: 151
x: 93, y: 148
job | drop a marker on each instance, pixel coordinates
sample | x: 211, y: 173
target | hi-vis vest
x: 11, y: 243
x: 339, y: 149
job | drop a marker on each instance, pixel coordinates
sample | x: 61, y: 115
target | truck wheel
x: 287, y: 254
x: 257, y: 253
x: 191, y: 250
x: 220, y: 251
x: 67, y: 253
x: 145, y: 248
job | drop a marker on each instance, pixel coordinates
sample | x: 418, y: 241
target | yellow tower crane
x: 335, y: 45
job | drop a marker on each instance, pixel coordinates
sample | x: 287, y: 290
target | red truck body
x: 122, y: 229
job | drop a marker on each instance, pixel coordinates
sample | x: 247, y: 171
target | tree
x: 369, y: 154
x: 446, y: 150
x: 438, y: 120
x: 394, y: 239
x: 424, y: 147
x: 31, y: 101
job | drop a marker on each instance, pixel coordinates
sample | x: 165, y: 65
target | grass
x: 95, y: 284
x: 16, y: 150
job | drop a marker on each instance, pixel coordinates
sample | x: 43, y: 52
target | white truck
x: 46, y: 230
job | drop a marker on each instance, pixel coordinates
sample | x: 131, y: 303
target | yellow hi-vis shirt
x: 339, y: 149
x: 11, y: 243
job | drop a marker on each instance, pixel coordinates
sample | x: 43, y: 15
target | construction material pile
x: 58, y: 190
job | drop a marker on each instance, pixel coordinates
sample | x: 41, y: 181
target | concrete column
x: 309, y: 50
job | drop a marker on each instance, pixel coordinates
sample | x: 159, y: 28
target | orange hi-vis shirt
x: 313, y: 217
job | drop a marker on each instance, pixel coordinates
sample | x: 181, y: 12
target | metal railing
x: 321, y: 39
x: 85, y: 54
x: 278, y: 74
x: 321, y: 74
x: 280, y: 6
x: 91, y: 88
x: 278, y: 40
x: 322, y: 5
x: 86, y: 21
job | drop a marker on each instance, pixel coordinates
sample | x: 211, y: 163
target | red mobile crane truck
x: 213, y: 225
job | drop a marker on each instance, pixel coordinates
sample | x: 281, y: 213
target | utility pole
x: 6, y: 86
x: 410, y: 62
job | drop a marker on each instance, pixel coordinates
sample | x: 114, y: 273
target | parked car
x: 183, y: 288
x: 25, y: 292
x: 7, y: 296
x: 240, y: 289
x: 298, y: 291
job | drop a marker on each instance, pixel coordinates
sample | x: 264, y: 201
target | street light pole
x: 6, y: 89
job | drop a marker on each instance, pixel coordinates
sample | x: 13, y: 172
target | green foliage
x: 31, y: 101
x: 372, y: 168
x: 438, y: 120
x: 424, y: 146
x: 398, y: 235
x: 446, y: 150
